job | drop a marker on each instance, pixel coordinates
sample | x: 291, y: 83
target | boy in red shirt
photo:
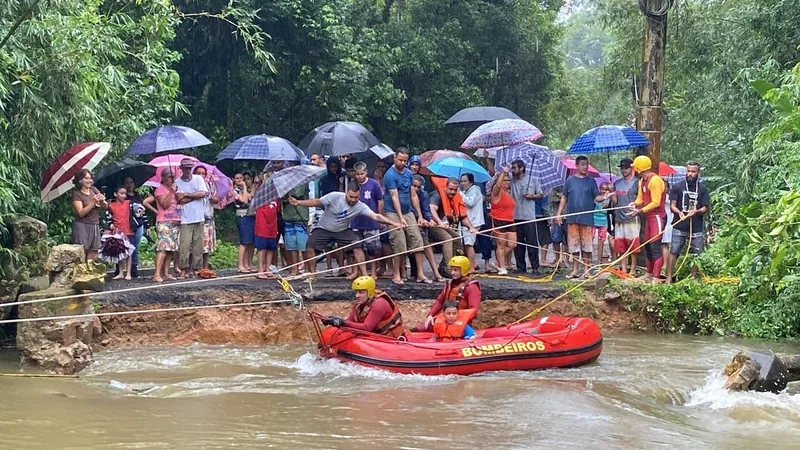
x: 266, y: 237
x: 119, y: 214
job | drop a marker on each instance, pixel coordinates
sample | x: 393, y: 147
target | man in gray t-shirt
x: 626, y: 226
x: 526, y: 190
x: 334, y: 224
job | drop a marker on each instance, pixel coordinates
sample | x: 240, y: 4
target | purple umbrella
x: 605, y: 177
x: 166, y: 138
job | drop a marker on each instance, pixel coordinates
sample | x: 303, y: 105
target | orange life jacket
x: 450, y: 331
x: 391, y: 326
x: 452, y: 208
x: 458, y: 294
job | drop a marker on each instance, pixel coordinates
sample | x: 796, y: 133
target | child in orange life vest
x: 453, y: 324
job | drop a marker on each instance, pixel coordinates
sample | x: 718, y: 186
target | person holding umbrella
x: 192, y: 192
x: 87, y: 202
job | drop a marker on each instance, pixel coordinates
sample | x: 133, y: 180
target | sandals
x: 398, y: 282
x: 425, y: 281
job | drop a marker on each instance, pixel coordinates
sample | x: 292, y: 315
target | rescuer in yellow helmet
x: 373, y: 311
x: 650, y: 202
x: 461, y: 288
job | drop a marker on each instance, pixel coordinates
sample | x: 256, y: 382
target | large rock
x: 60, y: 346
x: 89, y: 276
x: 754, y: 371
x: 64, y: 255
x: 793, y: 387
x: 29, y: 240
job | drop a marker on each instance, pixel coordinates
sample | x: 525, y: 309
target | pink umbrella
x: 570, y: 163
x: 218, y: 182
x: 431, y: 156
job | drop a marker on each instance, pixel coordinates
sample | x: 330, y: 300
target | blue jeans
x: 137, y: 239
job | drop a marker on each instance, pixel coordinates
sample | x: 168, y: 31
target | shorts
x: 425, y: 238
x: 295, y: 236
x: 601, y: 232
x: 666, y: 238
x: 209, y: 237
x: 580, y: 238
x: 466, y: 236
x: 168, y: 236
x: 407, y: 238
x: 557, y: 234
x: 503, y: 223
x: 679, y: 238
x: 86, y: 234
x: 247, y: 229
x: 371, y: 241
x: 626, y: 237
x: 384, y: 236
x: 320, y: 238
x: 543, y: 238
x: 265, y: 243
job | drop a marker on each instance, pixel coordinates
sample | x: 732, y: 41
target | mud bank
x: 505, y: 301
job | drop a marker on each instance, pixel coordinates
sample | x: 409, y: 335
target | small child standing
x: 117, y: 245
x: 600, y: 218
x: 452, y: 323
x: 266, y: 237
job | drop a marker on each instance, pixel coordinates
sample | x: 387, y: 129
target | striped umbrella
x: 502, y: 133
x: 282, y: 182
x: 608, y: 138
x: 166, y: 138
x: 539, y: 161
x: 261, y: 147
x: 57, y: 179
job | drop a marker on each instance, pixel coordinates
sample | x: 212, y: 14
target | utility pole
x: 649, y: 116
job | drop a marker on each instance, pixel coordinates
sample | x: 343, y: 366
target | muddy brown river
x: 645, y: 391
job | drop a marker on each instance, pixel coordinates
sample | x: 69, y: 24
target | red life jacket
x: 458, y: 294
x: 390, y: 326
x: 451, y: 331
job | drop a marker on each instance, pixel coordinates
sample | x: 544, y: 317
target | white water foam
x: 714, y: 395
x: 309, y: 364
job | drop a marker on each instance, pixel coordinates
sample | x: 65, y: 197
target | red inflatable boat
x: 545, y: 343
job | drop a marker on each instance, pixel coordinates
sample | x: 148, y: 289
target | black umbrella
x: 478, y: 115
x: 114, y: 174
x: 338, y: 138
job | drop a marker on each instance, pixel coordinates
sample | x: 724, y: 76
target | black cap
x: 626, y: 162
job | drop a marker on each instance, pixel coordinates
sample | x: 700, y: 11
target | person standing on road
x: 690, y: 201
x: 191, y: 193
x: 398, y: 199
x: 473, y: 200
x: 626, y: 227
x: 525, y: 190
x: 580, y: 194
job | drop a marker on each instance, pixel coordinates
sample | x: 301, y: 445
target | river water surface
x: 644, y: 392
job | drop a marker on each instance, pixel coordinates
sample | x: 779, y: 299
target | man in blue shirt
x: 580, y: 193
x: 398, y: 199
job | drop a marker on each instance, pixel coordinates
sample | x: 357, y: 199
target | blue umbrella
x: 166, y: 138
x: 455, y: 167
x: 262, y: 146
x: 608, y: 138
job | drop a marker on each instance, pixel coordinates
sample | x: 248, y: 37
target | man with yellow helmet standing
x: 461, y: 288
x: 650, y: 202
x: 374, y: 313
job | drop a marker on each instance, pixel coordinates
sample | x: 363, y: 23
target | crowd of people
x: 397, y: 216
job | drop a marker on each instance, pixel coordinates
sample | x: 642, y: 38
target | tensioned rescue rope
x: 144, y: 311
x: 590, y: 278
x: 488, y: 230
x: 248, y: 275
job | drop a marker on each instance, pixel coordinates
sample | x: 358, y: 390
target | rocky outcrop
x: 60, y: 346
x: 764, y: 372
x: 29, y: 239
x: 64, y: 256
